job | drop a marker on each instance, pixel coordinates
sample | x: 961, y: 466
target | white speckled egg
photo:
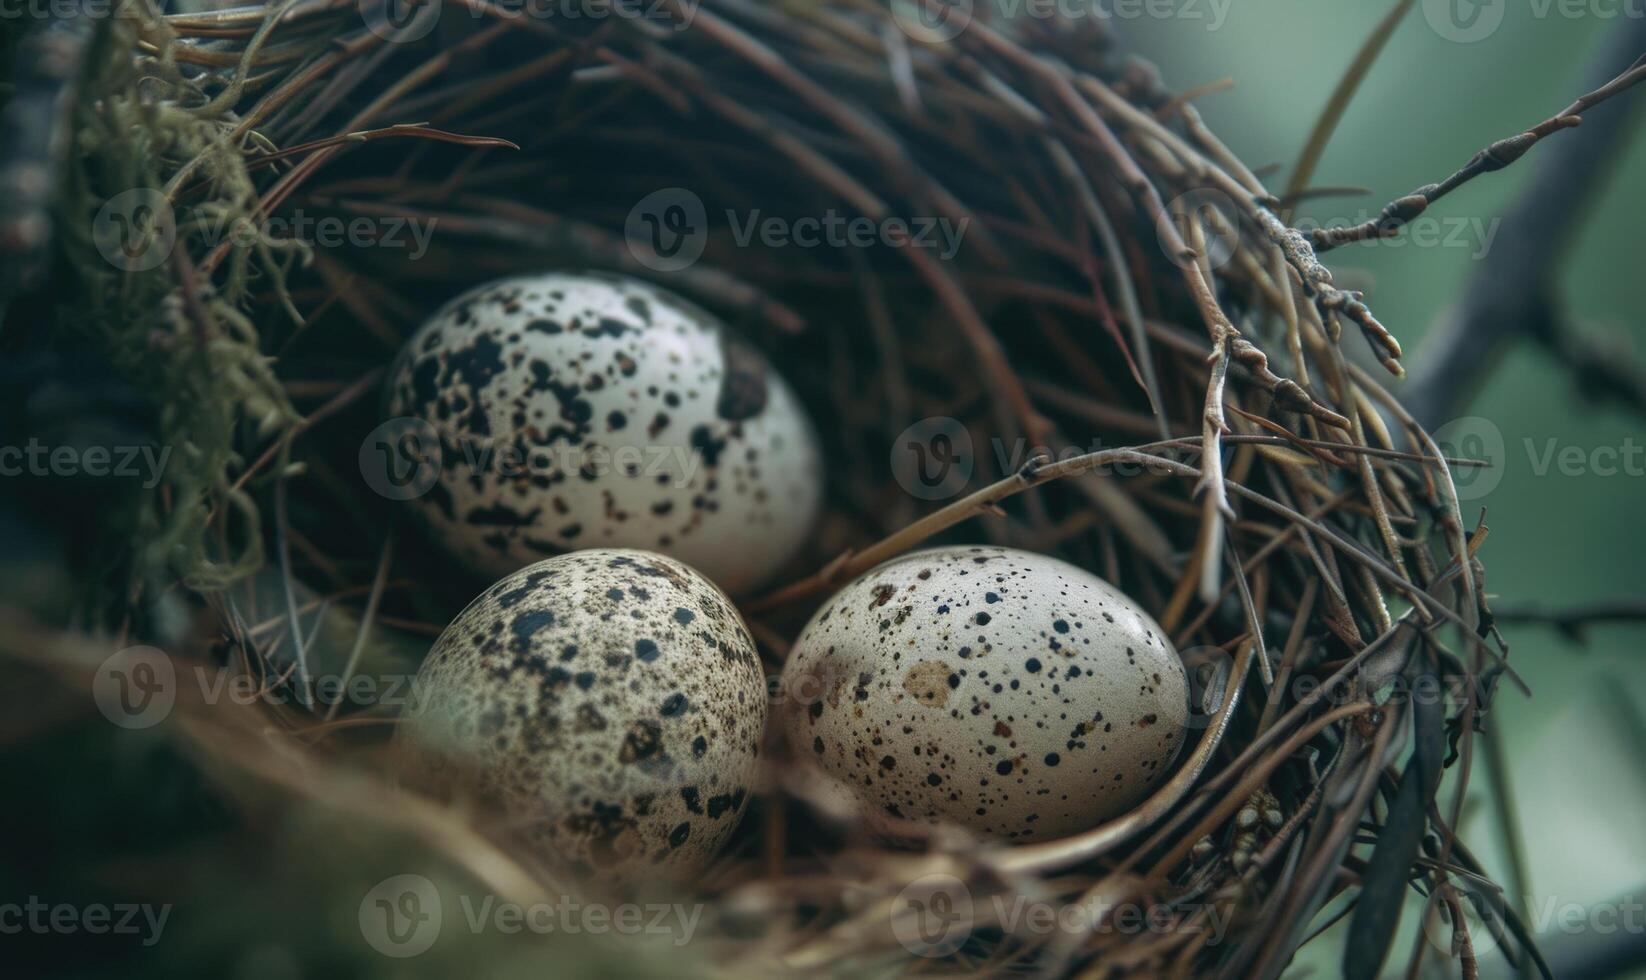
x: 1001, y: 690
x: 586, y: 410
x: 608, y: 702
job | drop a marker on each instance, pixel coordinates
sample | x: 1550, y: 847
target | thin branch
x: 1574, y: 621
x: 1512, y: 295
x: 1399, y: 212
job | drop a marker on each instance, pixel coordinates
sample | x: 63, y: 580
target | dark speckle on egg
x: 743, y: 387
x: 1006, y: 691
x: 590, y: 695
x: 587, y: 410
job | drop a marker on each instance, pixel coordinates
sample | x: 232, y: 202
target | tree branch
x: 1513, y: 296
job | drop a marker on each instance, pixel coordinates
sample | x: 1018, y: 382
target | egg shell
x: 609, y: 702
x: 580, y: 409
x: 1002, y: 690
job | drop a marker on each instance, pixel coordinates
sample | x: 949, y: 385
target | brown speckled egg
x: 1002, y: 690
x: 586, y: 410
x: 609, y: 702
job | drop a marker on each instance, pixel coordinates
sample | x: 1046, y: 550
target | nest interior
x: 1158, y: 377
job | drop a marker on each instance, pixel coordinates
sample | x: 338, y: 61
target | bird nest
x: 1072, y: 322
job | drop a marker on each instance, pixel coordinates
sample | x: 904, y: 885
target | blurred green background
x: 1557, y: 539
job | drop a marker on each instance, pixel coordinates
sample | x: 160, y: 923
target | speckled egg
x: 586, y: 410
x: 1001, y: 690
x: 608, y: 702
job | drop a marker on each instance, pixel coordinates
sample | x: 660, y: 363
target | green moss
x: 140, y: 125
